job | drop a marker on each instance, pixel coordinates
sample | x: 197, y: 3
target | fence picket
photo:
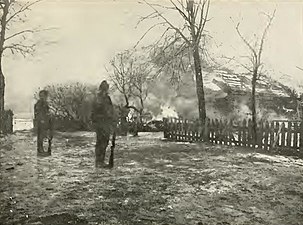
x: 259, y: 134
x: 249, y: 133
x: 239, y: 135
x: 272, y: 132
x: 269, y: 134
x: 185, y: 134
x: 221, y: 139
x: 231, y: 133
x: 212, y: 126
x: 295, y: 136
x: 266, y: 135
x: 197, y: 130
x: 283, y: 135
x: 190, y: 131
x: 206, y: 130
x: 178, y: 130
x: 289, y: 134
x: 277, y: 134
x: 301, y: 137
x: 218, y: 135
x: 244, y: 125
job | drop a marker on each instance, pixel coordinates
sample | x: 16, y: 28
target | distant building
x: 271, y: 95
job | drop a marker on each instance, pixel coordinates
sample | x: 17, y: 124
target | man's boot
x: 49, y: 149
x: 99, y: 163
x: 40, y: 149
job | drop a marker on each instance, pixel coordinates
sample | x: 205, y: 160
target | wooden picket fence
x: 269, y: 135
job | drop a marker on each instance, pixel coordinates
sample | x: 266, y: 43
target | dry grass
x: 153, y: 182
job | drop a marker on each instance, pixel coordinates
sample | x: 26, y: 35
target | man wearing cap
x: 43, y: 122
x: 102, y: 118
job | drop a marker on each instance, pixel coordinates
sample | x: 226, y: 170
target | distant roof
x: 242, y: 82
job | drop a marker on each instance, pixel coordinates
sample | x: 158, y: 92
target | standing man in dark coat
x: 42, y: 122
x: 103, y: 120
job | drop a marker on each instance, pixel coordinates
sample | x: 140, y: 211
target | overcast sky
x: 90, y: 32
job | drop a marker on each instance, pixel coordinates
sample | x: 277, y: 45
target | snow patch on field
x: 22, y: 124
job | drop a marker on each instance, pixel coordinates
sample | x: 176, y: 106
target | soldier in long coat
x: 103, y: 121
x: 43, y: 122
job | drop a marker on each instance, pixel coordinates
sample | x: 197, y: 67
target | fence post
x: 231, y: 138
x: 250, y: 134
x: 283, y: 135
x: 206, y: 130
x: 175, y: 129
x: 260, y: 134
x: 272, y: 132
x: 277, y: 134
x: 296, y: 131
x: 289, y: 134
x: 217, y: 131
x: 191, y: 131
x: 226, y: 132
x: 213, y: 131
x: 301, y: 136
x: 197, y: 130
x: 266, y: 135
x: 221, y: 128
x: 240, y: 129
x: 165, y: 128
x: 244, y: 124
x: 173, y: 126
x: 185, y: 133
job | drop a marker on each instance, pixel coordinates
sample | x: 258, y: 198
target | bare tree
x: 195, y: 17
x: 255, y: 65
x: 71, y: 102
x: 172, y: 57
x: 11, y: 11
x: 121, y: 75
x: 131, y: 75
x: 141, y: 79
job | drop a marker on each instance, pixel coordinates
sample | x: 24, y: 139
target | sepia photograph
x: 151, y: 112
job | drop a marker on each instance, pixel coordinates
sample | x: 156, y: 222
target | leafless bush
x: 71, y: 105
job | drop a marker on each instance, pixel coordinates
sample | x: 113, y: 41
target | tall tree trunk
x: 199, y: 85
x: 2, y: 41
x: 253, y: 106
x: 141, y: 110
x: 2, y: 89
x: 124, y: 125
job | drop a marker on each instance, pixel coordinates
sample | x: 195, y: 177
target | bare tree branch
x: 169, y: 23
x: 19, y: 33
x: 150, y: 16
x: 20, y: 48
x: 24, y: 8
x: 203, y: 19
x: 264, y: 35
x: 246, y: 42
x: 186, y: 18
x: 299, y: 68
x: 28, y: 31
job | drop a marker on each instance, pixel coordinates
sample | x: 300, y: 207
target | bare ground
x: 153, y: 182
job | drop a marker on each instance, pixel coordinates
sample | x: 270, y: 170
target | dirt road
x: 153, y: 182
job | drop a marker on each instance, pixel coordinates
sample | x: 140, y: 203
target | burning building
x: 273, y: 98
x: 227, y: 95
